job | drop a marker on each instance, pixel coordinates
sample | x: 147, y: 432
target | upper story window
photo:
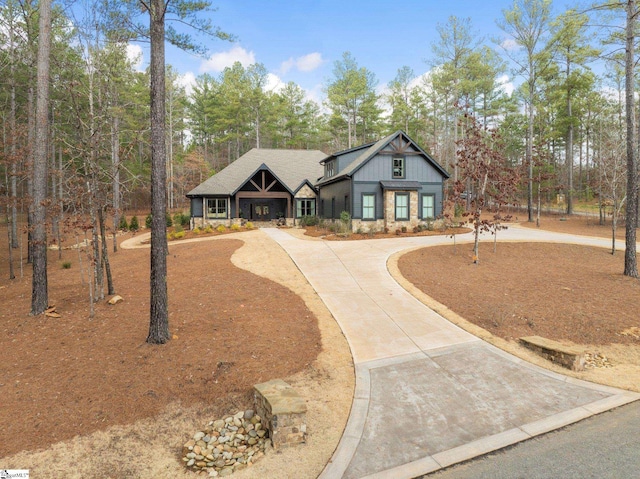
x: 398, y: 167
x: 329, y: 168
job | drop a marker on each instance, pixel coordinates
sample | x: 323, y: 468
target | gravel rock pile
x: 227, y: 445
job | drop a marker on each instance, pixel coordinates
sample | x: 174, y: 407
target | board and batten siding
x: 196, y: 207
x: 380, y: 168
x: 338, y: 191
x: 359, y: 188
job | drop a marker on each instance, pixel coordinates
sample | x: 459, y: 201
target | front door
x: 261, y: 212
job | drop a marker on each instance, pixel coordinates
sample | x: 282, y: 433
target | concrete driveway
x: 429, y: 394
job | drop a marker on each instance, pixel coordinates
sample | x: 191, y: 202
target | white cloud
x: 506, y: 85
x: 135, y: 56
x: 305, y: 63
x: 274, y: 83
x: 219, y: 61
x: 510, y: 44
x: 188, y: 80
x: 309, y: 62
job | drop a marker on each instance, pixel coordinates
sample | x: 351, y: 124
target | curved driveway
x: 429, y: 394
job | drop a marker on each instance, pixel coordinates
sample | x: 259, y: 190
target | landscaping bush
x: 133, y: 224
x: 123, y: 223
x: 235, y: 227
x: 309, y: 220
x: 181, y: 219
x: 147, y: 221
x: 168, y: 220
x: 66, y: 265
x: 178, y: 228
x: 179, y: 234
x: 221, y: 229
x: 249, y: 225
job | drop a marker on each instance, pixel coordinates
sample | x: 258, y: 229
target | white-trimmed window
x: 428, y: 206
x: 305, y: 207
x: 402, y: 206
x: 398, y: 167
x: 368, y: 206
x: 217, y: 208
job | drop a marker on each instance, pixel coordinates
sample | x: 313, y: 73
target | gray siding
x: 196, y: 207
x: 368, y: 187
x: 431, y: 189
x: 417, y: 168
x: 346, y: 159
x: 336, y: 191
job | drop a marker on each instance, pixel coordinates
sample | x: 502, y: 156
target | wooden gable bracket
x: 263, y: 189
x: 399, y: 147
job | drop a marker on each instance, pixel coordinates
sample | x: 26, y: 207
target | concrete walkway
x: 429, y: 394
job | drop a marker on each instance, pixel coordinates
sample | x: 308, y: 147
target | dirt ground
x: 75, y: 386
x: 87, y: 398
x: 573, y: 294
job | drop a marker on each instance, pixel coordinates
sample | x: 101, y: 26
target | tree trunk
x: 529, y: 154
x: 630, y: 261
x: 569, y: 154
x: 105, y: 253
x: 39, y: 293
x: 115, y: 162
x: 159, y: 314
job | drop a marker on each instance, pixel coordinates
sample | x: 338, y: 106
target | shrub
x: 123, y: 223
x: 249, y: 225
x: 207, y: 229
x: 221, y: 229
x: 168, y: 220
x: 404, y: 229
x: 181, y: 219
x: 179, y: 234
x: 66, y: 265
x: 235, y: 227
x: 147, y: 221
x: 178, y: 228
x: 309, y: 220
x: 133, y: 224
x: 170, y: 235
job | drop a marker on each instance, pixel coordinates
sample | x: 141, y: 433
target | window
x: 368, y: 206
x: 402, y: 206
x: 306, y: 207
x: 330, y: 168
x: 398, y: 167
x: 428, y: 206
x: 216, y: 207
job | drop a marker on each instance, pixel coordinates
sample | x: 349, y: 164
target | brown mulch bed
x: 576, y: 224
x: 74, y: 375
x: 562, y: 292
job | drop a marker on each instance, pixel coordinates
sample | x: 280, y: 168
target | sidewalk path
x: 429, y: 394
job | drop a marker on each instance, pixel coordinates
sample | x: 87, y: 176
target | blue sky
x: 300, y: 40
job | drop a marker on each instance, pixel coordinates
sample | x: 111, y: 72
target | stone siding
x: 390, y: 211
x: 283, y: 412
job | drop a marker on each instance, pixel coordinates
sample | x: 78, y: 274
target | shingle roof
x: 292, y: 167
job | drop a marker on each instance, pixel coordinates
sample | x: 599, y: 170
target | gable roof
x: 291, y: 167
x: 372, y: 150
